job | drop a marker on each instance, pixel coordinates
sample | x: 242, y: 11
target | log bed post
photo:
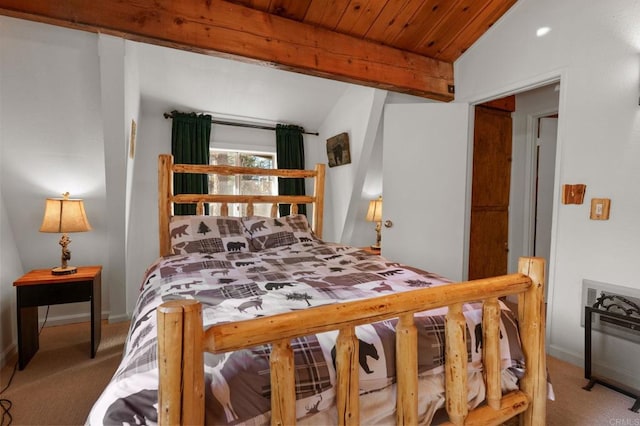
x: 491, y: 351
x: 181, y: 363
x: 165, y: 189
x: 531, y: 311
x: 407, y: 370
x: 456, y: 365
x: 318, y: 193
x: 283, y: 386
x: 348, y: 376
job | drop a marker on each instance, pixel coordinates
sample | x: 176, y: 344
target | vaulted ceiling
x: 406, y: 46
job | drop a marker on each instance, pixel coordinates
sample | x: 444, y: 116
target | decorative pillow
x: 207, y: 234
x: 269, y: 232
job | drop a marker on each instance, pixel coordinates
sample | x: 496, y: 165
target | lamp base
x: 67, y: 270
x: 375, y: 246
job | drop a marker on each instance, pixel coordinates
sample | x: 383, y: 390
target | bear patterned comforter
x: 240, y: 285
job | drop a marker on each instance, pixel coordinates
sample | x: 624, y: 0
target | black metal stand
x: 634, y: 324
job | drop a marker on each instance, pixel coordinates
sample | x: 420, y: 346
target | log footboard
x: 182, y: 340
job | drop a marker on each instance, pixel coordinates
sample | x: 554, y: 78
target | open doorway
x: 530, y: 180
x: 535, y: 123
x: 546, y: 134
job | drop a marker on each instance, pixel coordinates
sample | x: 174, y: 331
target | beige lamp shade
x: 374, y: 214
x: 62, y: 215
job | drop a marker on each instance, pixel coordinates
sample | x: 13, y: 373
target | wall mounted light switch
x: 600, y: 208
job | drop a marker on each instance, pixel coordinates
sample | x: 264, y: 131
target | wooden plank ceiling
x: 407, y: 46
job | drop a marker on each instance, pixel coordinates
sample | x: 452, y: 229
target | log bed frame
x: 182, y: 339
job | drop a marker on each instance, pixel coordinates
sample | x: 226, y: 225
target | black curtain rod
x: 231, y: 123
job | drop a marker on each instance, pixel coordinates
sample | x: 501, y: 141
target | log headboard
x: 166, y: 197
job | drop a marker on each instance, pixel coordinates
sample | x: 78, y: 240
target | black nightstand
x: 41, y: 288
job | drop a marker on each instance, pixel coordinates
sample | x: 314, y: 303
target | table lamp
x: 374, y: 214
x: 64, y: 215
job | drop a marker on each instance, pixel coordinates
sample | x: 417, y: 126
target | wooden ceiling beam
x: 221, y: 28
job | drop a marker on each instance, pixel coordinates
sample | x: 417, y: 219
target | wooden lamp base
x: 64, y: 270
x: 376, y: 246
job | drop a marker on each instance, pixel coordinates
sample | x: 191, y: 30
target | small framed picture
x: 338, y: 150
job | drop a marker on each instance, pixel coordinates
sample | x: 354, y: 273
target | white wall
x: 131, y: 113
x: 364, y: 233
x: 116, y: 146
x: 594, y: 50
x: 154, y: 138
x: 358, y: 112
x: 52, y: 142
x: 131, y: 116
x: 10, y: 269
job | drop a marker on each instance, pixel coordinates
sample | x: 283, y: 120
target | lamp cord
x: 6, y: 404
x: 46, y: 315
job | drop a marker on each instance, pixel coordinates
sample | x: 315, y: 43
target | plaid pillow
x: 207, y: 234
x: 269, y: 232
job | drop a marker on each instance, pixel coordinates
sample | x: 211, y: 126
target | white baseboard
x: 119, y: 318
x: 76, y: 318
x: 565, y: 355
x: 53, y: 321
x: 8, y: 355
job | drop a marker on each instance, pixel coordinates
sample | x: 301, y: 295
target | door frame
x: 530, y: 196
x: 553, y: 77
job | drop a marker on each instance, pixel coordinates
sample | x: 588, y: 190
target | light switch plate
x: 600, y: 208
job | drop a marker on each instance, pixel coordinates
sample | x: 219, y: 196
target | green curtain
x: 290, y: 152
x: 190, y: 135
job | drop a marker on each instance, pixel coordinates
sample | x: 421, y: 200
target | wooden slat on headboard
x: 166, y: 198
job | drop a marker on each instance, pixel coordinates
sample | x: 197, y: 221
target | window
x: 243, y: 185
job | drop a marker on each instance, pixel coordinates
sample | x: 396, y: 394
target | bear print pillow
x: 207, y: 234
x: 269, y: 232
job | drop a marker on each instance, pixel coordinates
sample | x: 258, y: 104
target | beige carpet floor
x: 576, y: 406
x: 60, y: 384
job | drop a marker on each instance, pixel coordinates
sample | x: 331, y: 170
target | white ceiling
x: 186, y: 81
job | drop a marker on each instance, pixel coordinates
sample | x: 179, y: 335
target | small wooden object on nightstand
x: 40, y: 288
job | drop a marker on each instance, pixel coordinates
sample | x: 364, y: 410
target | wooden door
x: 489, y: 227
